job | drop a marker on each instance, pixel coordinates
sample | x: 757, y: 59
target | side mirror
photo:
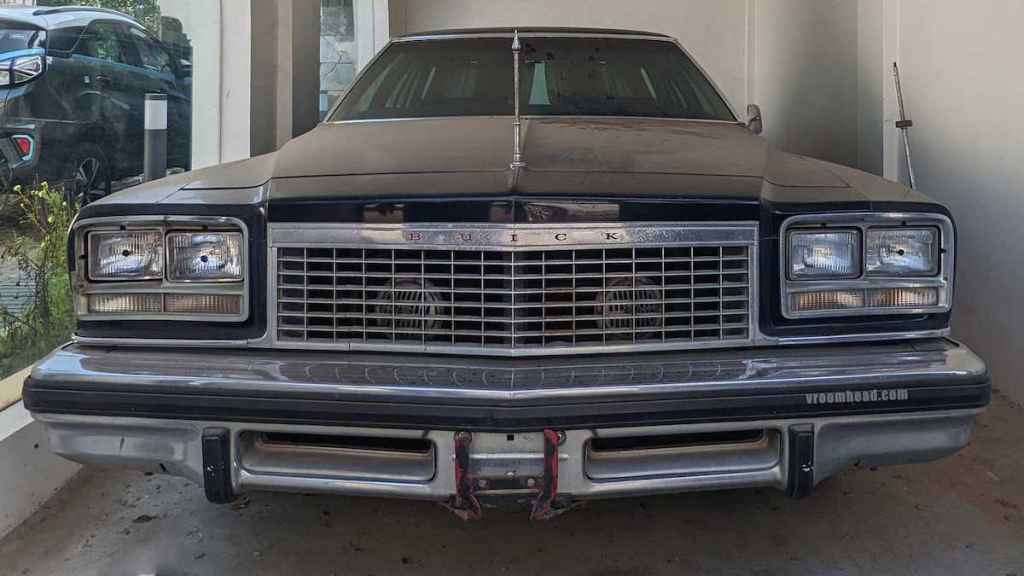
x: 755, y: 121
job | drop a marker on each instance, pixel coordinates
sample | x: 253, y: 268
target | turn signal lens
x: 217, y: 304
x: 123, y: 256
x: 125, y: 304
x: 827, y: 300
x: 872, y: 299
x: 903, y: 298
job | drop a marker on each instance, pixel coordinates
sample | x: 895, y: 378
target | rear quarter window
x: 13, y: 39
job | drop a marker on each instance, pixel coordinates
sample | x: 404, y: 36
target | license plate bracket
x: 506, y: 464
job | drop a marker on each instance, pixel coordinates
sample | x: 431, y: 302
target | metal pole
x: 156, y: 137
x: 904, y: 126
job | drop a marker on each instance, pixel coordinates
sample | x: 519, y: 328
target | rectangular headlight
x: 126, y: 255
x: 902, y: 252
x: 832, y: 255
x: 205, y: 257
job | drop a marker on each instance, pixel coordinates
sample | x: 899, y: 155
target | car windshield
x: 15, y: 39
x: 560, y: 76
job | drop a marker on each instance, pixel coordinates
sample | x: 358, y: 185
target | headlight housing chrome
x: 866, y: 264
x: 185, y: 268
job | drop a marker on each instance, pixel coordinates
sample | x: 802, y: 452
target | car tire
x: 88, y: 174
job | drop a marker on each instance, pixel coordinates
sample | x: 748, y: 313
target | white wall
x: 806, y: 76
x: 236, y: 78
x: 872, y: 79
x: 961, y: 76
x: 796, y: 58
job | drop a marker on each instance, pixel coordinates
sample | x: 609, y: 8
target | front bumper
x: 631, y: 424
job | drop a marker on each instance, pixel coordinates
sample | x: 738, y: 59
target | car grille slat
x: 464, y: 300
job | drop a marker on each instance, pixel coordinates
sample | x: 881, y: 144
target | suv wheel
x: 88, y: 174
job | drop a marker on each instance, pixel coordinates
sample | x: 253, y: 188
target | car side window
x: 64, y: 39
x: 104, y: 40
x: 151, y: 54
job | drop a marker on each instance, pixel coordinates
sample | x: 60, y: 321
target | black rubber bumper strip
x: 47, y: 398
x: 801, y: 461
x: 217, y: 465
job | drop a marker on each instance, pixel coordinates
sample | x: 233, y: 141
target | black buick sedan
x: 540, y: 265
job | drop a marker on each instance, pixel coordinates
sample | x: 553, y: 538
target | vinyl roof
x: 534, y: 30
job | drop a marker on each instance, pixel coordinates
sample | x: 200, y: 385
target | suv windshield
x: 560, y: 76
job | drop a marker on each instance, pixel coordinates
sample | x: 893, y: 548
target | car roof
x: 61, y: 17
x: 534, y: 30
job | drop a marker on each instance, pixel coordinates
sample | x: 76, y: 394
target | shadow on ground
x: 963, y: 515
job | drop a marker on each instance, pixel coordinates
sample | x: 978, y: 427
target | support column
x: 285, y: 72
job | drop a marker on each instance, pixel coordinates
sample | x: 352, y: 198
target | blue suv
x: 72, y: 94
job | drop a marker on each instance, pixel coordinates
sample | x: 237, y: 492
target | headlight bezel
x: 84, y: 286
x: 867, y: 282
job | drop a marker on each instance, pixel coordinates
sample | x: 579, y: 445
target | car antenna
x: 904, y: 125
x: 517, y: 124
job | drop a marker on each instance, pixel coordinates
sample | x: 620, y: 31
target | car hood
x: 471, y: 157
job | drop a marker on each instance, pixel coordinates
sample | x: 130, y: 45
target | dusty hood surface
x: 470, y: 157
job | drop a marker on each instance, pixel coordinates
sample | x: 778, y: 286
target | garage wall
x: 796, y: 58
x: 805, y: 75
x: 960, y: 63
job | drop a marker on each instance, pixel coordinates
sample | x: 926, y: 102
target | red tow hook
x: 544, y: 505
x: 465, y: 504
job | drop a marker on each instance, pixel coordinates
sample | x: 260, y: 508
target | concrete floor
x: 963, y: 515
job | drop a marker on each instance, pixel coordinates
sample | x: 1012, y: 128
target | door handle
x: 103, y: 80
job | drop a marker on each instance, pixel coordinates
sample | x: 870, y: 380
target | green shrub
x: 39, y: 245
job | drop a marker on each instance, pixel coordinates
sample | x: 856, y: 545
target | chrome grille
x: 494, y: 300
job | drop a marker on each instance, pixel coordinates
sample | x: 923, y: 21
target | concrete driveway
x: 963, y: 515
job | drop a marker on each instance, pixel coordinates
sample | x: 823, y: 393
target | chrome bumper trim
x: 472, y: 381
x: 175, y: 447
